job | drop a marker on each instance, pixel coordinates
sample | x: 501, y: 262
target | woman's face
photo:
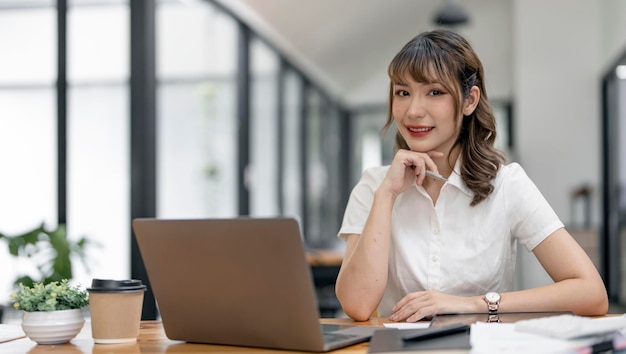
x: 425, y: 115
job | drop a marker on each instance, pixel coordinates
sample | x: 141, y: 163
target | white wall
x: 557, y: 59
x: 490, y: 34
x: 613, y: 31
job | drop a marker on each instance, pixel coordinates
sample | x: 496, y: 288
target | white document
x: 9, y: 332
x: 408, y: 325
x: 503, y: 338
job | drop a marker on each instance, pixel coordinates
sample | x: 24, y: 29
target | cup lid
x: 116, y: 286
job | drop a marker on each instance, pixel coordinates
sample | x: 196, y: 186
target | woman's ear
x: 471, y: 101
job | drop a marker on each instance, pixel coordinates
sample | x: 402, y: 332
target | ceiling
x: 345, y: 45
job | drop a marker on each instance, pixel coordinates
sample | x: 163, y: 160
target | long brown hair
x: 445, y: 57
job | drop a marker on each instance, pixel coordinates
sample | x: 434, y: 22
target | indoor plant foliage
x: 52, y: 312
x: 55, y: 249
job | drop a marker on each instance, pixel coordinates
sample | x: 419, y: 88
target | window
x: 28, y: 125
x: 98, y: 135
x: 196, y: 139
x: 323, y: 158
x: 263, y: 171
x: 292, y: 173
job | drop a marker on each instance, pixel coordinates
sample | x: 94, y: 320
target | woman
x: 418, y: 246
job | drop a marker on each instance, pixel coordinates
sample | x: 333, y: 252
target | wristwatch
x: 493, y: 301
x: 493, y: 318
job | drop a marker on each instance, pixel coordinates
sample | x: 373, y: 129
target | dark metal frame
x: 142, y: 131
x: 345, y: 129
x: 304, y: 152
x: 61, y: 94
x: 243, y: 117
x: 280, y: 128
x: 606, y: 240
x: 610, y: 243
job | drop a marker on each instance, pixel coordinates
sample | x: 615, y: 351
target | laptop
x: 240, y: 281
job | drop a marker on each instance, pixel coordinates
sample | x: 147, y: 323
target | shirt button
x: 436, y: 231
x: 434, y: 258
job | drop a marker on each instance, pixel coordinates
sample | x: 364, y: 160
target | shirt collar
x: 456, y: 180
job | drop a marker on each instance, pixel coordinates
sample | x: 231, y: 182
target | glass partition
x: 323, y: 157
x: 98, y: 175
x: 196, y: 117
x: 263, y: 169
x: 27, y: 127
x: 331, y: 196
x: 370, y: 146
x: 292, y: 189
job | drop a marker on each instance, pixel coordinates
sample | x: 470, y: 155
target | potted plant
x: 52, y: 312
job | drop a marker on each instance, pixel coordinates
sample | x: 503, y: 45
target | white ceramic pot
x: 53, y: 327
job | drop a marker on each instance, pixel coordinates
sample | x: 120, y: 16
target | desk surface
x: 152, y: 339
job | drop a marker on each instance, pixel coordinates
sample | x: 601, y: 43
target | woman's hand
x: 409, y: 167
x: 421, y: 304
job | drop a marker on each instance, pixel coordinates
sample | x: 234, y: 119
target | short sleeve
x: 360, y: 201
x: 532, y: 219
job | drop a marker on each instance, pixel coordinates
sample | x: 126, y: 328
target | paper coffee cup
x: 115, y: 307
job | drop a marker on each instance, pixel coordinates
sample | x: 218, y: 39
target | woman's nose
x: 416, y: 108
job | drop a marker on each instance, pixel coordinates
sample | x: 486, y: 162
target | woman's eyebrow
x: 399, y: 84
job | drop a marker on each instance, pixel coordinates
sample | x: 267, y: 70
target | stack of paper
x: 503, y: 338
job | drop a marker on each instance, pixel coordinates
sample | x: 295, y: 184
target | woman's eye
x: 435, y: 93
x: 402, y: 93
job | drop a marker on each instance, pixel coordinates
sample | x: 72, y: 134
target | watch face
x: 492, y: 297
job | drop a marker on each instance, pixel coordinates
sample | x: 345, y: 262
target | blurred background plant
x: 50, y: 249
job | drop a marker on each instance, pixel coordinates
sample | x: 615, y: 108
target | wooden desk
x: 324, y: 258
x: 152, y: 339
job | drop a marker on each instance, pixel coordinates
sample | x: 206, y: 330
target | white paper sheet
x: 407, y: 325
x: 487, y: 338
x: 10, y: 332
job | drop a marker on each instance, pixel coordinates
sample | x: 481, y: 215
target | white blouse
x: 453, y: 247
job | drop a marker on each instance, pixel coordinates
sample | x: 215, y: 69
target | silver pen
x: 434, y: 175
